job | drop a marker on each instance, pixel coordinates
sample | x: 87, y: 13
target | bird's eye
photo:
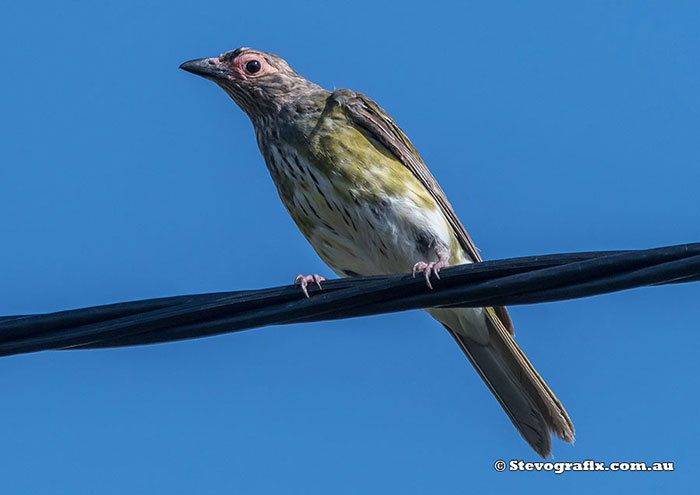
x: 252, y: 67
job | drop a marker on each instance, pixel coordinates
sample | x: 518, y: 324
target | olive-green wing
x: 368, y: 115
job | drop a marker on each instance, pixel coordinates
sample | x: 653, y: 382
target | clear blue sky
x: 551, y: 127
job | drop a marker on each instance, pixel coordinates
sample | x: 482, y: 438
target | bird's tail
x: 531, y: 405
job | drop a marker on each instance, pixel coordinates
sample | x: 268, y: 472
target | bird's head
x: 258, y: 82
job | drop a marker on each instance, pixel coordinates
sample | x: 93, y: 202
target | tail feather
x: 525, y: 397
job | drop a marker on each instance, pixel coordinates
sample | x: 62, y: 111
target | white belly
x: 385, y: 242
x: 356, y: 237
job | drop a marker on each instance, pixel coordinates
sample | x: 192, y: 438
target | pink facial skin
x: 238, y: 67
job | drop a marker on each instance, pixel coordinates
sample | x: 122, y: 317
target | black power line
x: 505, y: 282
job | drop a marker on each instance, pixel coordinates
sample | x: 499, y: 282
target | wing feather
x: 373, y: 119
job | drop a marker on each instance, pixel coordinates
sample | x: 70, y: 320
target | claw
x: 432, y: 268
x: 303, y: 281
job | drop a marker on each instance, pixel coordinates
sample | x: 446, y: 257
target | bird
x: 363, y: 197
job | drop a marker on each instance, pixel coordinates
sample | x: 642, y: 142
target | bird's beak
x: 211, y: 68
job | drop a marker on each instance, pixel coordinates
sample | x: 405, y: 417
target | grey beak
x: 210, y: 68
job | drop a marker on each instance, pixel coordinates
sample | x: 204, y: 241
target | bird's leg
x: 432, y: 268
x: 304, y: 280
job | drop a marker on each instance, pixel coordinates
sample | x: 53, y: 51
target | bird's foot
x: 304, y: 280
x: 429, y: 269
